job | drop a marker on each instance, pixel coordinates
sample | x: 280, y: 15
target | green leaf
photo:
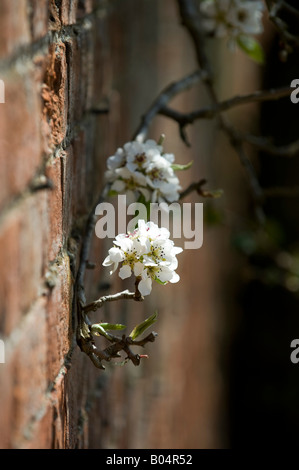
x: 178, y: 167
x: 99, y: 329
x: 112, y: 326
x: 139, y: 329
x: 252, y: 48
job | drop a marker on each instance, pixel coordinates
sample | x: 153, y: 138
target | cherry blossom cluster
x: 143, y: 170
x: 148, y: 253
x: 232, y: 18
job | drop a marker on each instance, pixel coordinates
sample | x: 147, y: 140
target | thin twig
x: 123, y: 344
x: 198, y: 188
x: 164, y: 97
x: 287, y: 151
x: 211, y: 111
x: 192, y: 187
x: 93, y: 306
x: 282, y: 28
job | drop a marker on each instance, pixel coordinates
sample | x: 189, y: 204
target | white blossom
x: 232, y: 17
x: 148, y: 253
x: 143, y: 169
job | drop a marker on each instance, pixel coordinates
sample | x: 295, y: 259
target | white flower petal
x: 107, y: 261
x: 147, y: 252
x: 117, y: 160
x: 124, y: 242
x: 116, y: 255
x: 118, y: 186
x: 177, y: 250
x: 148, y: 261
x: 125, y: 271
x: 165, y: 274
x: 175, y: 278
x: 145, y: 286
x: 138, y: 268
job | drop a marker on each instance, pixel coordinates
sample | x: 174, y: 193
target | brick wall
x: 59, y: 61
x: 53, y: 69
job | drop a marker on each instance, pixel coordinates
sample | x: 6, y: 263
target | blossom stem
x: 126, y: 294
x: 193, y: 187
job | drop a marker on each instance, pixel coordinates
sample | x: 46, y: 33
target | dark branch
x: 164, y: 97
x: 286, y: 151
x: 198, y: 188
x: 210, y: 112
x: 286, y: 37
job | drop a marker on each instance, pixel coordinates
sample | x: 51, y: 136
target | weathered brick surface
x: 54, y: 93
x: 14, y: 27
x: 58, y: 315
x: 47, y: 155
x: 61, y: 61
x: 20, y: 150
x: 23, y: 238
x: 24, y: 378
x: 38, y: 17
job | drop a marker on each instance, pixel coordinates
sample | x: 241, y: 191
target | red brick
x: 14, y: 26
x: 39, y: 14
x: 68, y: 11
x: 59, y: 310
x: 55, y: 205
x: 69, y: 401
x: 54, y: 94
x: 22, y: 256
x: 23, y: 381
x: 54, y: 20
x: 39, y: 434
x: 59, y: 421
x: 20, y: 138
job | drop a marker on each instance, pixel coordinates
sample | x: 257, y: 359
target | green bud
x: 139, y: 329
